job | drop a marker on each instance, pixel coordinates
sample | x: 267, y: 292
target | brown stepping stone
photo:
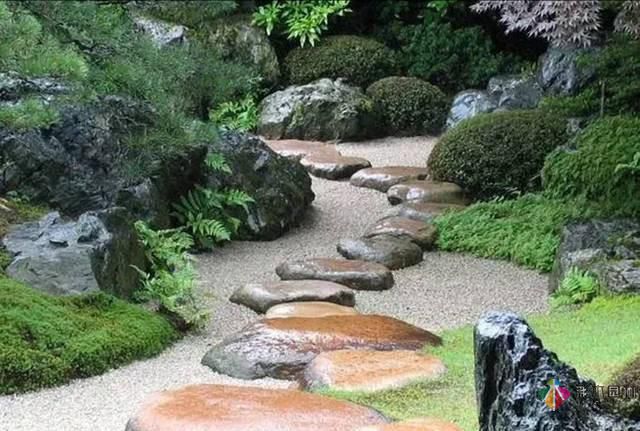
x: 296, y: 149
x: 419, y: 424
x: 236, y: 408
x: 333, y: 166
x: 426, y: 191
x: 421, y: 211
x: 282, y: 348
x: 384, y: 177
x: 309, y: 309
x: 262, y: 296
x: 422, y: 234
x: 390, y: 251
x: 356, y: 274
x: 369, y: 371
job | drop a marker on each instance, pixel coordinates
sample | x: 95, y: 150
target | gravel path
x: 446, y: 290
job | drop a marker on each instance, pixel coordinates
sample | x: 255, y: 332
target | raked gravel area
x: 445, y: 290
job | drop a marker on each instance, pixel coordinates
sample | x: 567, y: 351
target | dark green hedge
x: 627, y: 377
x: 360, y: 60
x: 46, y: 340
x: 497, y: 154
x: 605, y: 169
x: 409, y: 106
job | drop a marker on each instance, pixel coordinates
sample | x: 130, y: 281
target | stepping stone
x: 262, y: 296
x: 282, y: 348
x: 370, y: 371
x: 421, y: 233
x: 236, y: 408
x: 390, y: 251
x: 309, y: 309
x: 421, y: 211
x: 419, y: 424
x: 333, y: 166
x: 355, y: 274
x: 426, y: 191
x: 296, y: 149
x: 384, y: 177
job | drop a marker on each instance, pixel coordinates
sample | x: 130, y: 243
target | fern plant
x: 578, y: 287
x: 242, y: 115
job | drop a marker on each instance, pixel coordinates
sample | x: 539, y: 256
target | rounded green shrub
x: 409, y: 106
x: 359, y: 60
x: 627, y: 378
x: 497, y: 154
x: 604, y: 168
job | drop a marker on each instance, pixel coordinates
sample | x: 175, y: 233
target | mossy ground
x: 596, y: 339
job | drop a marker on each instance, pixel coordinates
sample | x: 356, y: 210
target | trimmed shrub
x: 455, y: 59
x: 49, y: 340
x: 627, y: 378
x: 409, y: 106
x: 359, y: 60
x: 497, y: 154
x: 604, y: 169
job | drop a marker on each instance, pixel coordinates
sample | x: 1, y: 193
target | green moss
x: 608, y: 326
x: 13, y: 211
x: 409, y: 106
x: 604, y: 169
x: 626, y: 377
x: 360, y: 60
x: 497, y: 154
x: 49, y: 340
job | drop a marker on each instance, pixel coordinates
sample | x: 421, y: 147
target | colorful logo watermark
x: 554, y: 394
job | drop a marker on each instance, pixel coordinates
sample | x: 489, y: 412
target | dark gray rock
x: 322, y: 110
x: 69, y: 257
x: 388, y: 250
x: 514, y: 92
x: 280, y: 187
x: 161, y: 33
x: 14, y: 87
x: 561, y: 73
x: 512, y: 367
x: 470, y: 103
x: 608, y: 249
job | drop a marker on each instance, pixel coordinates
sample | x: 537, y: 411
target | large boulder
x: 516, y: 378
x: 322, y: 110
x: 469, y: 103
x: 237, y: 39
x: 280, y: 187
x: 161, y: 33
x: 514, y: 92
x: 561, y: 73
x: 61, y: 257
x: 608, y: 249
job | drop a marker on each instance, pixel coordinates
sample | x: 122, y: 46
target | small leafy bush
x: 359, y: 60
x: 627, y: 377
x: 578, y: 287
x: 409, y: 106
x: 454, y: 59
x: 49, y: 340
x: 27, y: 114
x: 497, y: 154
x: 603, y: 168
x: 525, y: 231
x: 191, y: 13
x: 303, y: 20
x: 241, y: 115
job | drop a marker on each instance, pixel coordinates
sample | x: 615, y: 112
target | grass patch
x: 525, y: 230
x: 50, y: 340
x: 597, y: 339
x: 28, y: 114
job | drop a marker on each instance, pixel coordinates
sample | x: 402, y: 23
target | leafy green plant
x: 241, y: 115
x: 191, y: 13
x: 28, y: 114
x: 303, y: 20
x: 577, y: 287
x: 498, y: 154
x: 359, y: 60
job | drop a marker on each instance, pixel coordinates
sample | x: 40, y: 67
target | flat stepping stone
x: 421, y: 211
x: 282, y: 348
x: 421, y: 233
x: 383, y: 178
x: 418, y: 424
x: 426, y: 191
x: 262, y: 296
x: 296, y: 149
x: 370, y: 371
x: 333, y: 166
x: 390, y: 251
x: 236, y: 408
x: 309, y: 309
x: 355, y: 274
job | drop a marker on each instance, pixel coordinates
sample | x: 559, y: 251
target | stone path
x: 444, y: 290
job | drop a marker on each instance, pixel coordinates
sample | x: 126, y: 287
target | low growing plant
x: 577, y: 287
x: 241, y: 115
x: 28, y: 114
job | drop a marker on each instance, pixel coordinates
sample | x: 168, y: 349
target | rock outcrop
x: 561, y: 73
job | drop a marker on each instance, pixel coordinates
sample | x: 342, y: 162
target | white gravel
x: 445, y: 290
